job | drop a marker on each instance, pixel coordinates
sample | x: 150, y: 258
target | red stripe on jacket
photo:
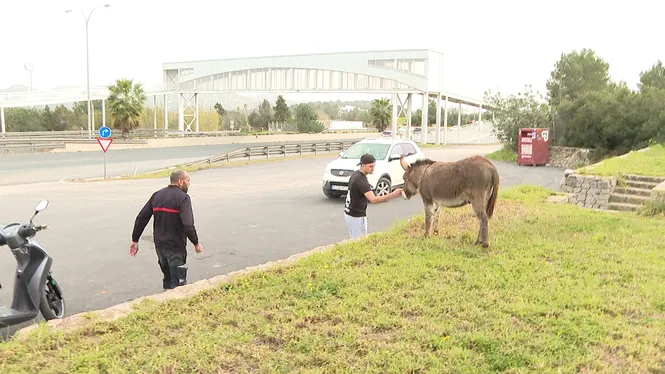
x: 167, y: 210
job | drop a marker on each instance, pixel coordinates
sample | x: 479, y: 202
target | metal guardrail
x: 279, y: 150
x: 267, y: 151
x: 142, y: 133
x: 6, y: 148
x: 136, y: 133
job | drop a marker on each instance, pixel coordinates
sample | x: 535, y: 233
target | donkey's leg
x: 429, y: 217
x: 478, y: 204
x: 435, y: 219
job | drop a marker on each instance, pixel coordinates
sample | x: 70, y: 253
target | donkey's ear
x: 403, y: 163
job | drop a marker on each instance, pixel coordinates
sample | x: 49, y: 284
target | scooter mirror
x: 41, y: 205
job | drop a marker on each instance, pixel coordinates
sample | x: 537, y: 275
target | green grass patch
x: 561, y: 289
x: 505, y: 154
x: 649, y: 162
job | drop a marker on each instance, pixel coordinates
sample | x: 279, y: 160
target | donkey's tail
x: 491, y: 202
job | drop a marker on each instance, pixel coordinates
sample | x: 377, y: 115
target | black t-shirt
x: 173, y: 221
x: 356, y: 202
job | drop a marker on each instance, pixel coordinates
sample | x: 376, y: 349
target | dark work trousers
x: 173, y: 262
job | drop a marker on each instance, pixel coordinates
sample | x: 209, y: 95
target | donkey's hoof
x: 436, y: 233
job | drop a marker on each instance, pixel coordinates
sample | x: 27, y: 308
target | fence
x: 144, y: 133
x: 140, y: 133
x: 479, y: 133
x: 7, y: 147
x: 283, y: 150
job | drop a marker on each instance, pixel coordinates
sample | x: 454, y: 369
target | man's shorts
x: 357, y: 226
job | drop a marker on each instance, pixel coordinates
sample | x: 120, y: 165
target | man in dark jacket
x: 172, y: 226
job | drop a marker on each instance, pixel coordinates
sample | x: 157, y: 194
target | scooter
x: 35, y: 289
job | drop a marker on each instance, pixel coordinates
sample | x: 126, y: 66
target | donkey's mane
x: 425, y: 161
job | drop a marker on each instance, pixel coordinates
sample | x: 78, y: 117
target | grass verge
x: 190, y: 169
x: 649, y: 162
x: 505, y: 154
x: 561, y: 289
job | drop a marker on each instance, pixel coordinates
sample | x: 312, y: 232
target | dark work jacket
x: 173, y: 222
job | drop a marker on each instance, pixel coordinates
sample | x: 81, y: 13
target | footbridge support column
x: 188, y: 111
x: 409, y: 110
x: 2, y: 121
x: 438, y: 119
x: 424, y: 120
x: 400, y: 108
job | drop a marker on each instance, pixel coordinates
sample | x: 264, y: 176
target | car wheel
x: 382, y: 187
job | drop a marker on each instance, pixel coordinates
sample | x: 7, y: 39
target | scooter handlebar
x: 28, y: 231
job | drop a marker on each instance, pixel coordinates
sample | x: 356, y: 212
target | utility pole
x: 87, y: 58
x: 29, y: 68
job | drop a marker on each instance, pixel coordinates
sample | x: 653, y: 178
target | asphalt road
x: 48, y: 167
x: 245, y: 215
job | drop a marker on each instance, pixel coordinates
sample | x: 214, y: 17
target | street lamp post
x: 87, y: 58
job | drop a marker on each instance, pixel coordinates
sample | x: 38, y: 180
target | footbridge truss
x: 400, y: 73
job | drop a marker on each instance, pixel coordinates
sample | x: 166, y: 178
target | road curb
x: 84, y: 319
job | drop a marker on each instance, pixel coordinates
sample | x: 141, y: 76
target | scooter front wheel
x: 52, y: 304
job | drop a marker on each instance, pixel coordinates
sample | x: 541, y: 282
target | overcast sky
x: 491, y: 44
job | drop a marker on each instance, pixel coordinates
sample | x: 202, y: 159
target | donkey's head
x: 412, y: 174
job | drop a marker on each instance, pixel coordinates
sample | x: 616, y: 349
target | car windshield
x: 356, y: 151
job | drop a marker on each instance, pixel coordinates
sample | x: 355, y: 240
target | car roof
x: 385, y: 140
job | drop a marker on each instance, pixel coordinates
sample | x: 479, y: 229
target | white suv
x: 387, y: 174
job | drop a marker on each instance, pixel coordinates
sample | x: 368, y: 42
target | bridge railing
x: 281, y: 150
x: 139, y: 133
x: 7, y: 147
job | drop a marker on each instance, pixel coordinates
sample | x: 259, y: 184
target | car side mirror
x: 394, y: 157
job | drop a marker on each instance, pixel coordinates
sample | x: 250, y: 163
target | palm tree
x: 126, y: 103
x: 381, y: 113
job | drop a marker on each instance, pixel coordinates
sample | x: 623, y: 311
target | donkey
x: 473, y: 180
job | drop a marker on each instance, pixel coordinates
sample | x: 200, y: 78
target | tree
x: 24, y: 119
x: 265, y: 113
x: 282, y: 112
x: 254, y: 120
x: 576, y: 73
x: 306, y: 119
x: 381, y: 113
x: 654, y: 77
x: 221, y: 112
x: 607, y: 121
x: 126, y: 103
x: 526, y: 109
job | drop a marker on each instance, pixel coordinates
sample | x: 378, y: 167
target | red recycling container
x: 533, y: 146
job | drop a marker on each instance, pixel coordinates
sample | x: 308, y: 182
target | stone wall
x: 658, y: 193
x: 567, y: 157
x: 588, y: 191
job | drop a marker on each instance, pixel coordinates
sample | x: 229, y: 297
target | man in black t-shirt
x: 359, y: 194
